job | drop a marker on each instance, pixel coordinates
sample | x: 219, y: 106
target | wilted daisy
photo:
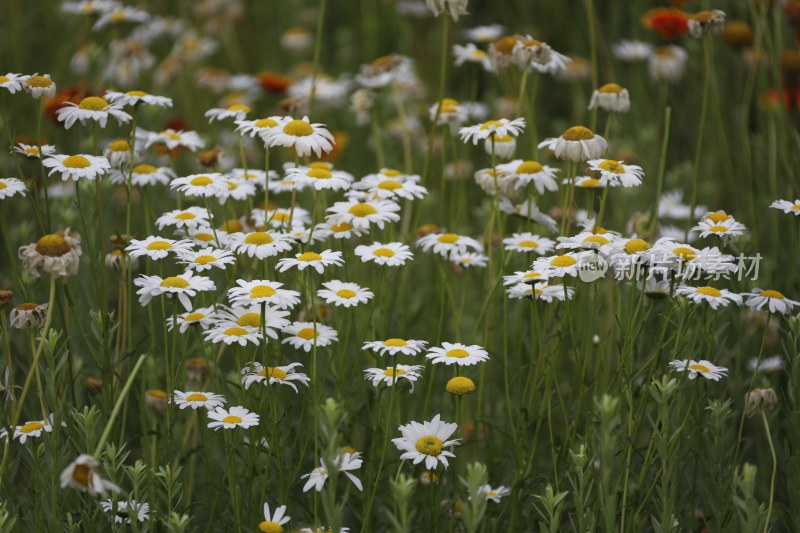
x: 82, y: 474
x: 528, y: 51
x: 39, y: 85
x: 317, y: 261
x: 173, y: 139
x: 390, y: 254
x: 158, y: 247
x: 522, y: 173
x: 235, y: 417
x: 493, y: 128
x: 396, y: 346
x: 713, y: 296
x: 301, y: 135
x: 528, y: 242
x: 426, y: 442
x: 92, y: 108
x: 273, y: 523
x: 457, y: 353
x: 320, y: 178
x: 446, y: 243
x: 343, y: 463
x: 185, y: 286
x: 33, y: 429
x: 711, y: 21
x: 57, y: 254
x: 391, y: 375
x: 28, y: 315
x: 787, y: 206
x: 775, y: 301
x: 577, y: 143
x: 306, y: 335
x: 344, y: 294
x: 34, y: 152
x: 667, y: 64
x: 617, y: 173
x: 454, y: 8
x: 195, y: 400
x: 263, y: 291
x: 282, y: 375
x: 201, y: 316
x: 260, y: 244
x: 362, y: 214
x: 631, y: 50
x: 236, y: 111
x: 134, y: 98
x: 206, y: 258
x: 191, y: 217
x: 76, y: 167
x: 11, y: 186
x: 704, y: 368
x: 203, y: 185
x: 611, y: 97
x: 11, y: 82
x: 123, y: 509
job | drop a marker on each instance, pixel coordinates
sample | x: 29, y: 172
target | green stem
x: 118, y: 406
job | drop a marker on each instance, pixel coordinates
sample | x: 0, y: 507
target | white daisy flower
x: 612, y: 98
x: 667, y: 64
x: 588, y: 240
x: 273, y: 523
x: 320, y: 178
x: 728, y: 230
x: 39, y: 85
x: 282, y: 375
x: 343, y: 463
x: 281, y: 217
x: 631, y: 50
x: 706, y: 22
x: 134, y: 98
x: 254, y: 176
x: 344, y: 294
x: 185, y: 286
x: 714, y: 297
x: 207, y: 236
x: 237, y: 189
x: 259, y: 126
x: 469, y: 53
x: 384, y: 187
x: 203, y: 185
x: 33, y: 429
x: 427, y: 442
x: 263, y: 291
x: 201, y: 316
x: 469, y: 260
x: 616, y: 173
x: 484, y: 34
x: 78, y: 166
x: 230, y: 332
x: 124, y: 509
x: 173, y: 139
x: 577, y: 143
x: 250, y: 317
x: 305, y: 335
x: 195, y: 400
x: 120, y: 15
x: 704, y: 368
x: 457, y: 353
x: 92, y: 108
x: 362, y: 214
x: 541, y: 291
x: 559, y: 266
x: 493, y: 128
x: 787, y: 206
x: 445, y: 244
x: 775, y: 301
x: 317, y: 261
x: 34, y: 152
x: 768, y: 364
x: 206, y: 258
x: 11, y: 186
x: 12, y: 82
x: 301, y: 135
x: 260, y: 244
x: 528, y: 242
x: 342, y: 230
x: 523, y: 173
x: 189, y: 218
x: 671, y: 206
x: 82, y: 474
x: 235, y: 417
x: 530, y: 211
x: 395, y: 346
x: 529, y: 276
x: 494, y: 494
x: 237, y: 112
x: 539, y: 55
x: 144, y: 175
x: 158, y: 247
x: 391, y: 375
x: 390, y: 254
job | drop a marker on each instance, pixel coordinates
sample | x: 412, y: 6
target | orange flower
x: 668, y: 22
x: 69, y: 94
x: 274, y: 82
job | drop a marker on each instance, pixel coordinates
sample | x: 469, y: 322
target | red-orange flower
x: 668, y: 22
x: 274, y: 82
x: 70, y: 94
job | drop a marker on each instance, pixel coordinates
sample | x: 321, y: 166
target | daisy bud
x: 196, y: 369
x: 156, y: 399
x: 758, y: 401
x: 611, y: 97
x: 118, y: 153
x: 460, y: 386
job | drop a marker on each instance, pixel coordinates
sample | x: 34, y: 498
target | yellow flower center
x: 232, y: 419
x: 273, y: 372
x: 612, y: 166
x: 265, y: 123
x: 773, y: 294
x: 81, y: 475
x: 383, y: 252
x: 589, y: 182
x: 528, y: 244
x: 137, y: 94
x: 262, y: 291
x: 320, y: 173
x: 796, y: 207
x: 390, y: 185
x: 267, y: 526
x: 597, y: 239
x: 321, y: 164
x: 460, y: 386
x: 697, y: 367
x: 171, y: 134
x: 685, y: 253
x: 491, y: 123
x: 280, y: 217
x: 232, y: 226
x: 718, y: 229
x: 610, y: 88
x: 159, y: 245
x: 577, y: 133
x: 235, y: 332
x: 76, y: 161
x: 249, y: 319
x: 239, y: 107
x: 307, y: 257
x: 709, y: 291
x: 52, y: 245
x: 3, y: 79
x: 298, y: 128
x: 175, y: 282
x: 345, y: 293
x: 158, y: 394
x: 718, y: 216
x: 636, y: 245
x: 457, y: 353
x: 491, y: 494
x: 258, y: 238
x: 207, y: 237
x: 362, y: 210
x: 563, y: 261
x: 194, y: 317
x: 448, y: 238
x: 196, y: 397
x: 93, y: 103
x: 430, y: 445
x: 38, y: 82
x: 146, y: 169
x: 393, y: 173
x: 186, y: 215
x: 529, y: 167
x: 396, y: 343
x: 231, y: 185
x: 3, y: 185
x: 30, y: 427
x: 391, y: 372
x: 119, y: 146
x: 201, y: 181
x: 338, y: 228
x: 307, y: 333
x: 32, y: 150
x: 529, y: 275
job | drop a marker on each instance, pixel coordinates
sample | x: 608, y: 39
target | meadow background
x: 576, y: 411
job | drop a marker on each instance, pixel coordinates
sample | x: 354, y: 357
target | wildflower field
x: 400, y: 266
